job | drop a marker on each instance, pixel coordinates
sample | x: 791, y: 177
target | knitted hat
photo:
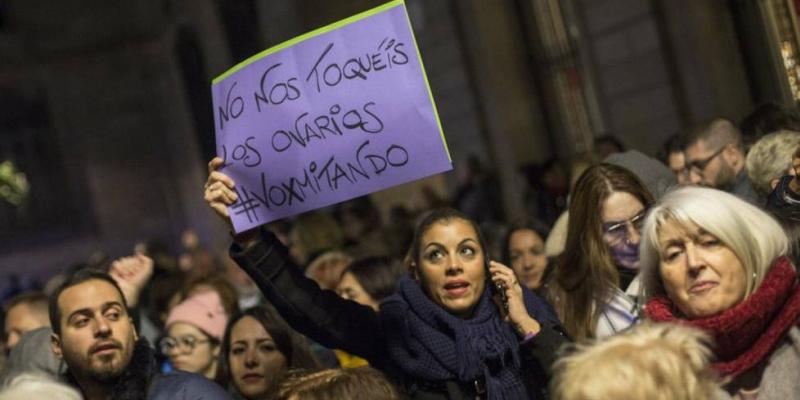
x: 204, y: 311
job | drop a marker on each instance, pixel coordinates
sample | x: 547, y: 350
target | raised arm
x: 319, y: 314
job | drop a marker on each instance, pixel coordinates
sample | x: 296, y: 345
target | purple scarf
x: 428, y: 343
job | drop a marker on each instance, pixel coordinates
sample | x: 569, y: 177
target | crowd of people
x: 668, y: 278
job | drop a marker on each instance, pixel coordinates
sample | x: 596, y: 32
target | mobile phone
x: 500, y: 289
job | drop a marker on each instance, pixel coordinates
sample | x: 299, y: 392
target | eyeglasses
x: 168, y: 343
x: 699, y: 166
x: 618, y: 231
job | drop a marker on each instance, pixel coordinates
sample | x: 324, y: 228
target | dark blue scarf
x: 428, y: 343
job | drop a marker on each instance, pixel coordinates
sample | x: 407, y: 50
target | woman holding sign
x: 460, y: 326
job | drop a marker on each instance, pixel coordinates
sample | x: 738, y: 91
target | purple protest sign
x: 337, y: 113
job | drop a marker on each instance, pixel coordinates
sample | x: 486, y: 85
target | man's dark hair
x: 77, y: 278
x: 767, y: 118
x: 377, y: 275
x: 673, y: 144
x: 609, y: 139
x: 715, y: 134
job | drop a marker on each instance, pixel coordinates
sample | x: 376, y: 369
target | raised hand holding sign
x: 337, y: 113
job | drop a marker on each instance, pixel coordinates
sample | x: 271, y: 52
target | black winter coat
x: 337, y: 323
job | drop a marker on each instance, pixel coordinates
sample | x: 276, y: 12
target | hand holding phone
x: 500, y: 289
x: 508, y: 295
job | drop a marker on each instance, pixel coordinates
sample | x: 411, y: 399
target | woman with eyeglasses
x: 601, y: 257
x: 195, y: 329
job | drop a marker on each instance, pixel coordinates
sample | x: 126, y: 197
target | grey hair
x: 770, y: 158
x: 752, y: 234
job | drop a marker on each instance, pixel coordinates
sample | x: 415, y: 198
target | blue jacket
x: 181, y: 385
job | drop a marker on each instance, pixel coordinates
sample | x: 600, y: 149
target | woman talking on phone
x: 460, y: 325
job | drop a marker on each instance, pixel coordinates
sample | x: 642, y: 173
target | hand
x: 518, y: 315
x: 219, y: 193
x: 131, y: 274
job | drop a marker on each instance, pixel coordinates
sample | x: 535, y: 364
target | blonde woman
x: 650, y: 361
x: 715, y: 262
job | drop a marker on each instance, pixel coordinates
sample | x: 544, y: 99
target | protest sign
x: 334, y: 114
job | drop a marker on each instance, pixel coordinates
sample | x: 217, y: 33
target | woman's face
x: 254, y: 359
x: 194, y: 351
x: 622, y: 216
x: 701, y: 275
x: 451, y: 266
x: 349, y: 288
x: 526, y: 250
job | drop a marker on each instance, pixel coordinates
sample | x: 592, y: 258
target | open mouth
x: 456, y: 288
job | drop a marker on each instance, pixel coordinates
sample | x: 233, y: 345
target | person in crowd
x: 672, y: 156
x: 607, y: 144
x: 132, y: 274
x: 327, y: 268
x: 523, y: 250
x: 715, y: 158
x: 712, y: 261
x: 601, y: 257
x: 246, y: 289
x: 399, y: 231
x: 656, y: 177
x: 32, y: 354
x: 37, y: 386
x: 789, y: 219
x: 24, y: 313
x: 205, y: 284
x: 441, y: 335
x: 95, y: 336
x: 649, y: 361
x: 313, y: 234
x: 258, y: 350
x: 767, y: 118
x: 557, y: 238
x: 545, y: 194
x: 367, y: 281
x: 477, y: 194
x: 770, y: 159
x: 363, y: 383
x: 195, y: 329
x: 362, y: 226
x: 786, y: 194
x: 784, y: 204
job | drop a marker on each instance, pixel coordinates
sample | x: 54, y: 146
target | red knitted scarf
x: 747, y: 333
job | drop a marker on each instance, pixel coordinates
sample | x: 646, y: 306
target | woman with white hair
x: 715, y: 262
x: 649, y: 361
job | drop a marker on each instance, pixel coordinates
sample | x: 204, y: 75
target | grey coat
x: 781, y: 379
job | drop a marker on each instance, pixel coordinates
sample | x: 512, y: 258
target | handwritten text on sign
x: 332, y: 115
